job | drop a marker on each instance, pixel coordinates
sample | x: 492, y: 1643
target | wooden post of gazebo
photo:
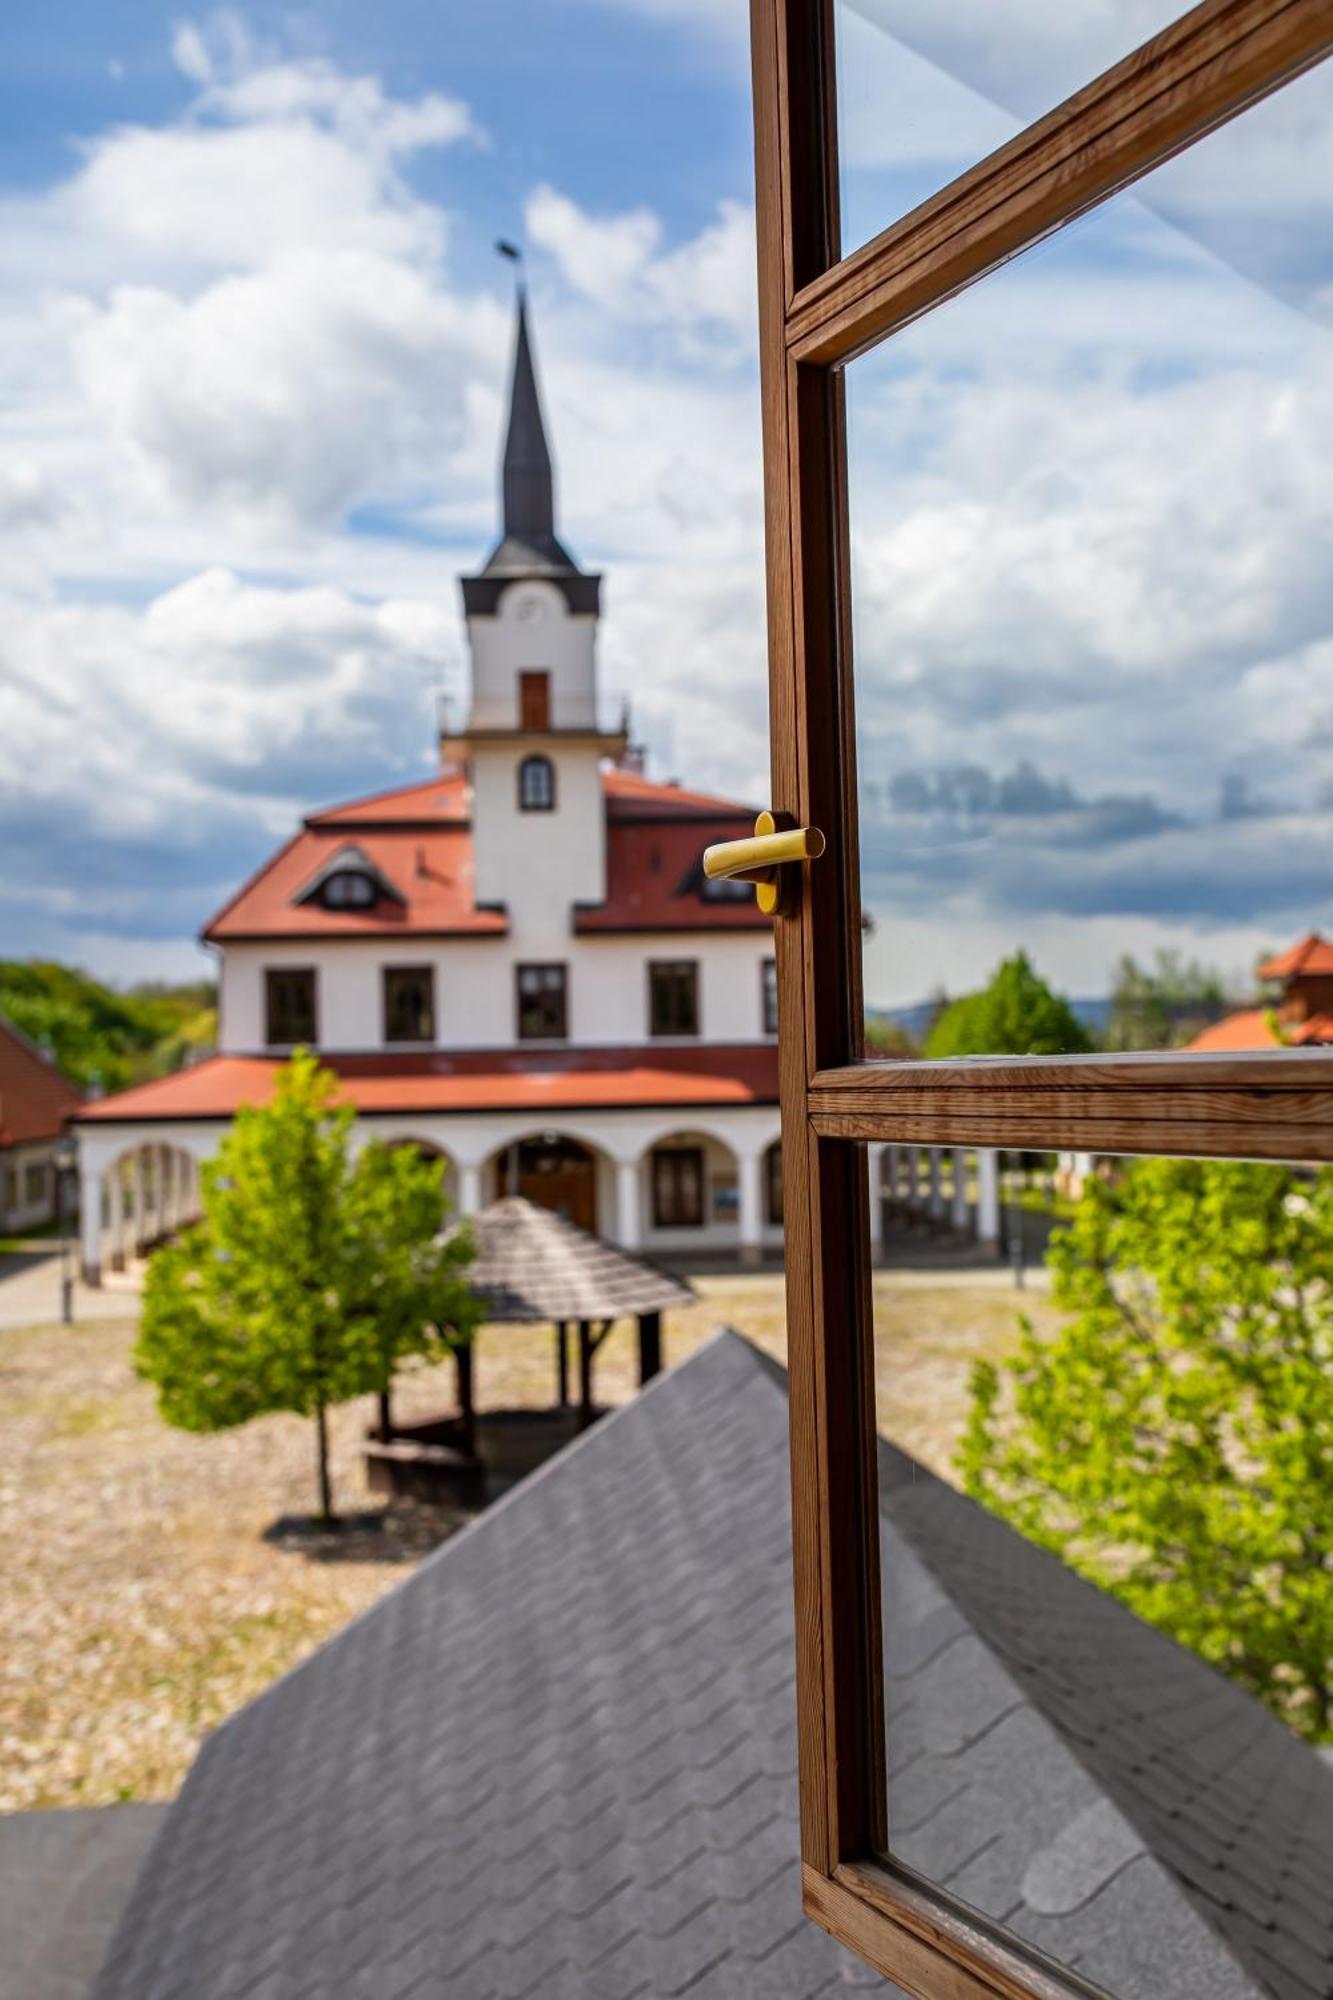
x: 650, y: 1346
x: 562, y: 1363
x: 466, y: 1401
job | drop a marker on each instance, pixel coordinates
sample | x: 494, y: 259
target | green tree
x: 1017, y: 1014
x: 1163, y: 1005
x: 1174, y: 1441
x: 102, y: 1037
x: 311, y: 1275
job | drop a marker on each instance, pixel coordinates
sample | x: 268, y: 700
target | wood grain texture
x: 935, y: 1949
x: 1273, y: 1107
x: 1195, y: 75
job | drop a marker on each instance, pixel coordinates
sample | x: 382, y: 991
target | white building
x: 516, y: 962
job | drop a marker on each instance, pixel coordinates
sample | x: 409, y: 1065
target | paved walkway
x: 30, y: 1292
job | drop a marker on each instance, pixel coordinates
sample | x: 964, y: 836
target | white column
x: 751, y: 1209
x: 935, y: 1205
x: 115, y: 1188
x: 139, y: 1200
x: 875, y: 1176
x: 90, y: 1225
x: 958, y: 1208
x: 469, y: 1190
x: 628, y: 1233
x: 988, y: 1195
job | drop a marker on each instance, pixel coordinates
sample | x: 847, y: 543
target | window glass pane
x: 1104, y: 1391
x: 926, y: 88
x: 1092, y: 602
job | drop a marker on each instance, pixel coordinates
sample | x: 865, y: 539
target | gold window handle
x: 769, y: 859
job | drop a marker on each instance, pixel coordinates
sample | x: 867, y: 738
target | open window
x: 986, y: 693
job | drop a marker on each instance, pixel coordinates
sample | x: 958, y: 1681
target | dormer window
x: 349, y: 890
x: 536, y: 785
x: 349, y: 881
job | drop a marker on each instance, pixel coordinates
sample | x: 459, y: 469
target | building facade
x: 516, y: 963
x: 36, y: 1099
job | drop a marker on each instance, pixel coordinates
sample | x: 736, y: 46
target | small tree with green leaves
x: 1015, y: 1014
x: 1174, y: 1441
x: 311, y: 1275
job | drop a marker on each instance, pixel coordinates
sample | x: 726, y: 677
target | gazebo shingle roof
x: 533, y: 1265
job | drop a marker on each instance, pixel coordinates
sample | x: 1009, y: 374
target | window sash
x: 815, y: 314
x: 409, y: 1003
x: 291, y: 1006
x: 542, y: 997
x: 673, y: 997
x: 536, y: 785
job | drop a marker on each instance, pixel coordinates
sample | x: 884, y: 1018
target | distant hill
x: 104, y: 1037
x: 914, y: 1021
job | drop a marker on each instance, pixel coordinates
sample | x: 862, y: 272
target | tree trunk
x: 386, y: 1417
x: 325, y: 1487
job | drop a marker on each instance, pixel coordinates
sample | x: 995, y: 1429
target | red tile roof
x: 1312, y: 955
x: 418, y: 836
x: 472, y: 1080
x: 1250, y: 1029
x: 35, y: 1097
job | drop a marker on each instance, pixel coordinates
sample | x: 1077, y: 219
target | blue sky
x: 253, y: 349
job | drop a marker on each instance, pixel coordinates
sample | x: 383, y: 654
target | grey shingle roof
x: 559, y: 1759
x: 533, y: 1265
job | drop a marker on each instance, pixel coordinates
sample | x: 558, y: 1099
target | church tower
x: 535, y: 731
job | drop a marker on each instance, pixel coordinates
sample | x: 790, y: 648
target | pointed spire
x: 529, y: 483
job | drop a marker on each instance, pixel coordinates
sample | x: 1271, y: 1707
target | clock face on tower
x: 530, y: 608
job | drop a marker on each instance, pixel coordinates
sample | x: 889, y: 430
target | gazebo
x: 535, y: 1268
x: 532, y: 1267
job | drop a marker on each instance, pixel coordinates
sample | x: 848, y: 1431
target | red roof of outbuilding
x: 1312, y: 955
x: 471, y: 1080
x: 35, y: 1097
x: 419, y: 838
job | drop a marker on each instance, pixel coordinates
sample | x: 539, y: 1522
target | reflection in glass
x: 1109, y: 1671
x: 928, y: 87
x: 1091, y: 523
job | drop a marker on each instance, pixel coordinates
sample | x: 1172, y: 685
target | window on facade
x: 11, y: 1188
x: 773, y: 1184
x: 678, y: 1188
x: 34, y: 1184
x: 769, y: 996
x: 673, y: 997
x: 289, y: 1001
x: 349, y: 889
x: 542, y: 1003
x: 536, y: 785
x: 409, y: 1003
x: 534, y: 699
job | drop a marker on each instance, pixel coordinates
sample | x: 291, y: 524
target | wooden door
x: 819, y: 312
x: 534, y: 699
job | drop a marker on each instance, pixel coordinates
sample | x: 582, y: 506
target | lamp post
x: 66, y: 1157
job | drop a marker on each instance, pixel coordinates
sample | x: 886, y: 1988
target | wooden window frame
x: 543, y: 965
x: 273, y: 973
x: 528, y: 765
x: 388, y: 974
x: 664, y: 1157
x: 816, y: 313
x: 657, y: 968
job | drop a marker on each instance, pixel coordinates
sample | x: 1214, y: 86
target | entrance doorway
x: 554, y: 1173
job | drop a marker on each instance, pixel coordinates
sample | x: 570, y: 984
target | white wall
x: 538, y: 863
x: 533, y: 629
x: 474, y: 986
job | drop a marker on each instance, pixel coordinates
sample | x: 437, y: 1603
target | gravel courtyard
x: 141, y: 1601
